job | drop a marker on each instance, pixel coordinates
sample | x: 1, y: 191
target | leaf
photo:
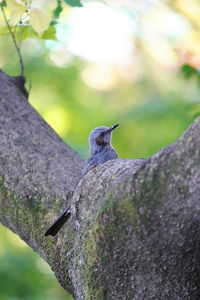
x: 15, y: 16
x: 188, y: 71
x: 23, y: 33
x: 50, y: 34
x: 53, y: 22
x: 57, y: 10
x: 39, y: 20
x: 4, y: 30
x: 18, y: 8
x: 73, y: 3
x: 16, y: 5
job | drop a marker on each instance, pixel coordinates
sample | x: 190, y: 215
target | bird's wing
x: 91, y: 162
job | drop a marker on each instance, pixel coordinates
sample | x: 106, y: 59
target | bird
x: 101, y: 150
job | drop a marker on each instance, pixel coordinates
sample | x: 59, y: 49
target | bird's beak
x: 113, y: 127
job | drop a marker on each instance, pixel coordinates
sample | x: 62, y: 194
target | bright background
x: 131, y: 62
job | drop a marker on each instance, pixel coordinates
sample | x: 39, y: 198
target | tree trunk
x: 134, y: 233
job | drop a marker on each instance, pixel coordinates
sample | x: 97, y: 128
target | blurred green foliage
x: 189, y: 71
x: 23, y: 274
x: 154, y: 100
x: 74, y: 2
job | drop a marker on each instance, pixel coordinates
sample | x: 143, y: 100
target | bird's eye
x: 102, y: 134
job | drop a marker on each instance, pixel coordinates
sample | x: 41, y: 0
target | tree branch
x: 134, y: 232
x: 38, y: 171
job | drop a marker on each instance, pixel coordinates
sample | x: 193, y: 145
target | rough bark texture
x: 134, y: 233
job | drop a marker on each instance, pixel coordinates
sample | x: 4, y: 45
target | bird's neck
x: 96, y: 148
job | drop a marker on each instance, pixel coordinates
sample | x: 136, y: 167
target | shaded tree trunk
x: 134, y: 232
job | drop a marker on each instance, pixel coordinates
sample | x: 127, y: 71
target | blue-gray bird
x: 101, y: 151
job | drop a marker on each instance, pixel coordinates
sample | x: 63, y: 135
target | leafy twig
x: 14, y: 40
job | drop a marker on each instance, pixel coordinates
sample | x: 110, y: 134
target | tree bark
x: 134, y: 233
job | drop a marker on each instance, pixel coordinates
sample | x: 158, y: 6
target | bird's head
x: 101, y: 136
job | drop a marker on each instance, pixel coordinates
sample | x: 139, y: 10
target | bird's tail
x: 57, y: 225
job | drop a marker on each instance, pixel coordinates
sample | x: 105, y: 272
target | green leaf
x: 50, y: 34
x: 58, y: 9
x: 188, y: 71
x: 20, y: 32
x: 23, y: 32
x: 39, y: 20
x: 4, y: 30
x: 3, y: 3
x: 53, y: 22
x: 74, y: 3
